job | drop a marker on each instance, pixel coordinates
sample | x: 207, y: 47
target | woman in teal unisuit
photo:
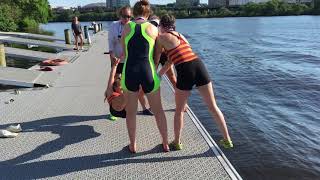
x: 138, y: 41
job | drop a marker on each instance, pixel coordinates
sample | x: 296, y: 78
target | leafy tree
x: 7, y: 21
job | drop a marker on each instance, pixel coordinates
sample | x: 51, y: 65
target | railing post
x: 87, y: 35
x: 95, y: 28
x: 67, y: 36
x: 85, y: 32
x: 2, y: 56
x: 101, y: 26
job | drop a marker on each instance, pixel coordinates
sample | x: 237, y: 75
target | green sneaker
x: 111, y: 118
x: 226, y: 143
x: 176, y: 147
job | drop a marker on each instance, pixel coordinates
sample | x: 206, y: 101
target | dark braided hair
x: 168, y: 22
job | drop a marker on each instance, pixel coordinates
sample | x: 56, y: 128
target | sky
x: 75, y: 3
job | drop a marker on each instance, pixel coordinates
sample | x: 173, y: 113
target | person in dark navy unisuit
x: 116, y: 51
x: 190, y: 71
x: 138, y: 41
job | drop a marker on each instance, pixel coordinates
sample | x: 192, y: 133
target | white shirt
x: 114, y: 36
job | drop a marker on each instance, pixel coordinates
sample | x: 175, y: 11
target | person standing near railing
x: 77, y: 33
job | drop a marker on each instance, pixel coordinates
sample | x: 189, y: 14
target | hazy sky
x: 75, y: 3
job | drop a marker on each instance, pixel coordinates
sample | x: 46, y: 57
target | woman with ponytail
x: 138, y: 41
x: 190, y: 71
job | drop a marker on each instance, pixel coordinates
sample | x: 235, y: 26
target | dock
x: 23, y: 41
x: 30, y: 36
x: 66, y: 133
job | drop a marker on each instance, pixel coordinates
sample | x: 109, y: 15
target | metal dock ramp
x: 16, y: 40
x: 26, y: 78
x: 67, y: 136
x: 30, y: 36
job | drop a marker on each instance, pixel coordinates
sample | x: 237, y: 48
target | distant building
x: 117, y: 3
x: 59, y: 9
x: 187, y: 3
x: 94, y: 5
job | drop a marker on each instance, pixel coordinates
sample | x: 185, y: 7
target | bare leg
x: 156, y: 106
x: 181, y: 102
x: 172, y: 77
x: 76, y: 39
x: 131, y: 109
x: 81, y: 41
x: 206, y: 91
x: 142, y: 100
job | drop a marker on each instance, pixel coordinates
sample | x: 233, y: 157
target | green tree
x: 7, y: 20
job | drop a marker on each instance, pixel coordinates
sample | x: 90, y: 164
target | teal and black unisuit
x: 139, y: 68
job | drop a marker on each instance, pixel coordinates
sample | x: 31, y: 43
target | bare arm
x: 157, y: 52
x: 165, y: 68
x: 109, y: 89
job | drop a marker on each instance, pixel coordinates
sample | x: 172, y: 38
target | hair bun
x: 144, y: 2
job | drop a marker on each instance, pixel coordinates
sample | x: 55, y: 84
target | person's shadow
x: 20, y: 168
x: 68, y: 134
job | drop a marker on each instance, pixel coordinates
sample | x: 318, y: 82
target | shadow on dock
x: 20, y: 168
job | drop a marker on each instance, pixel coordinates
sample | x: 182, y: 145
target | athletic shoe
x: 226, y: 143
x: 14, y: 129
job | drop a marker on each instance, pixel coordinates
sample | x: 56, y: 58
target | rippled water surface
x: 266, y: 74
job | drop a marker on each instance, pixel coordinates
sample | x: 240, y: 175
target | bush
x: 7, y: 22
x: 28, y: 25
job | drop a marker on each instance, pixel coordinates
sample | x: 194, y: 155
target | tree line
x: 26, y: 15
x: 270, y: 8
x: 23, y: 15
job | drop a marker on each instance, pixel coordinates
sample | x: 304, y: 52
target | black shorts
x: 191, y: 73
x: 119, y: 68
x: 115, y: 113
x: 77, y: 33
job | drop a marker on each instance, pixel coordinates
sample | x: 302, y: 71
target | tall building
x: 218, y: 3
x: 187, y: 3
x: 117, y: 3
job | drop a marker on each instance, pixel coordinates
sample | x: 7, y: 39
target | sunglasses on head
x: 126, y: 16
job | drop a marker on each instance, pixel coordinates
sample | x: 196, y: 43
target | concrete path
x: 67, y: 136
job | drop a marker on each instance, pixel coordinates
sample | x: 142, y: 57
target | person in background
x: 190, y: 71
x: 116, y: 51
x: 77, y: 33
x: 138, y: 38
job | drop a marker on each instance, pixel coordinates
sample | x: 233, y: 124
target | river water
x: 266, y: 74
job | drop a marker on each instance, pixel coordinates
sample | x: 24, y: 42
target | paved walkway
x: 66, y: 134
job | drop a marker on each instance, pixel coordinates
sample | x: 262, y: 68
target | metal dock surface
x: 17, y: 40
x: 30, y: 36
x: 67, y: 136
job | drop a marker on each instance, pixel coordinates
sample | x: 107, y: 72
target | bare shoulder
x: 152, y: 30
